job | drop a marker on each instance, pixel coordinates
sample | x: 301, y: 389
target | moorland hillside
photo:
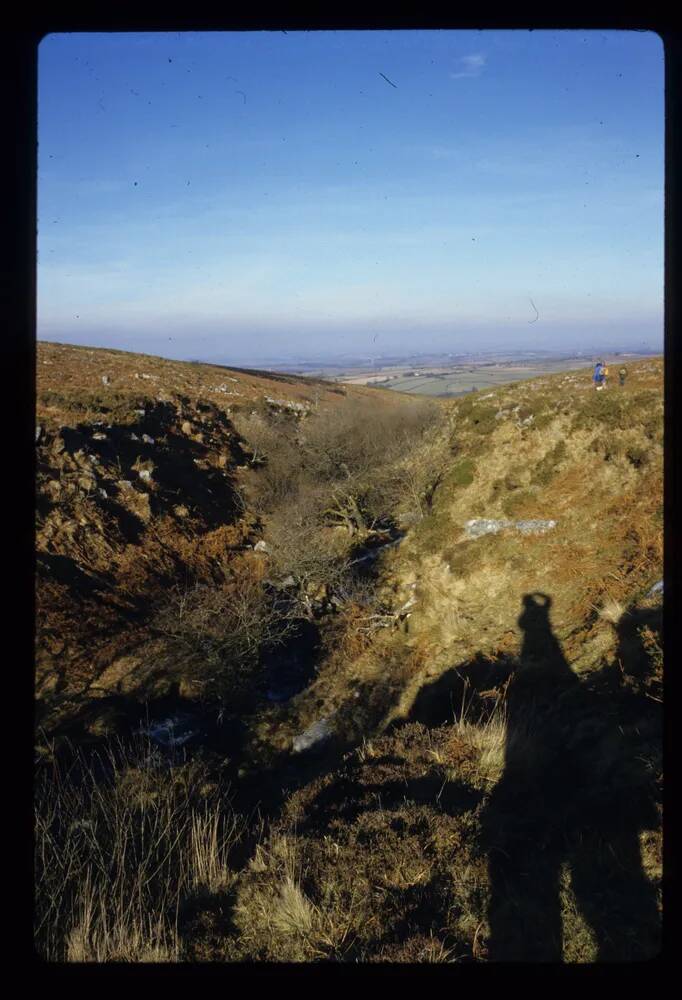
x: 332, y: 673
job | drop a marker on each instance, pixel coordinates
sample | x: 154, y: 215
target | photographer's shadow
x: 571, y: 793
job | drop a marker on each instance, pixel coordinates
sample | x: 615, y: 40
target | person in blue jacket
x: 598, y: 377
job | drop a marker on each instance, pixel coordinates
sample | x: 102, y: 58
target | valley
x: 353, y: 647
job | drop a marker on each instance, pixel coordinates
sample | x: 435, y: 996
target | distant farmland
x: 460, y: 379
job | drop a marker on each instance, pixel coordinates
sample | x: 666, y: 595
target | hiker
x: 598, y: 377
x: 605, y: 373
x: 621, y: 375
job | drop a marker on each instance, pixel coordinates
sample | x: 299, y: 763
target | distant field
x: 460, y: 379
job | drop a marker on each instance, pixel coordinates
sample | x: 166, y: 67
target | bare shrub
x: 224, y: 627
x: 410, y: 484
x: 301, y: 544
x: 354, y: 442
x: 356, y: 467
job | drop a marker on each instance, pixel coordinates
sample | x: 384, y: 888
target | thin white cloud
x: 469, y: 66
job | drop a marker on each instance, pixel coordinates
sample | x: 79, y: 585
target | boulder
x: 314, y: 736
x: 490, y: 526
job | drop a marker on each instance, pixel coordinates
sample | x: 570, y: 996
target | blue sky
x: 261, y: 195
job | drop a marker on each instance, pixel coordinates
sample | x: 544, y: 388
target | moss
x: 463, y: 473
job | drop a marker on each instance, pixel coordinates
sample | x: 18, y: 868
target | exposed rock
x: 534, y: 527
x: 105, y: 380
x: 656, y: 589
x: 145, y: 475
x: 288, y: 404
x: 39, y: 431
x: 490, y: 526
x: 261, y: 546
x: 314, y: 736
x: 186, y: 427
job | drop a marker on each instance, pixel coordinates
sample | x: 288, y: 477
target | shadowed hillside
x: 391, y: 670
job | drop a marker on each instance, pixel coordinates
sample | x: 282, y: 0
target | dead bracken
x: 315, y: 671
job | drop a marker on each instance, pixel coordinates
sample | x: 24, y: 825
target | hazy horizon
x: 255, y: 195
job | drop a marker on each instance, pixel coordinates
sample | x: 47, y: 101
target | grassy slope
x: 387, y: 853
x: 390, y: 855
x: 603, y: 486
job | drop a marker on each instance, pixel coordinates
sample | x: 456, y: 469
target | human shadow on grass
x: 574, y: 792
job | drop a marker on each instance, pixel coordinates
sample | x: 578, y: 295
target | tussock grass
x: 121, y: 844
x: 278, y: 920
x: 611, y: 611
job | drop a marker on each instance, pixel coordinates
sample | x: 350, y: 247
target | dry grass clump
x: 121, y: 844
x: 276, y: 918
x: 611, y: 611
